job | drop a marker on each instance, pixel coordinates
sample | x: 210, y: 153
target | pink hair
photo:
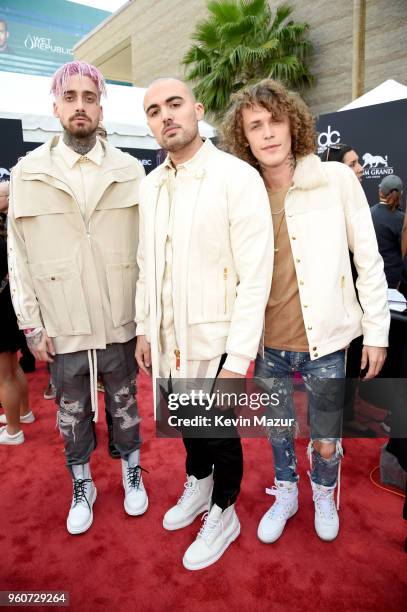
x: 60, y: 79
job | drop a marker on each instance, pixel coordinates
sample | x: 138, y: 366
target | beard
x: 81, y: 132
x: 182, y: 138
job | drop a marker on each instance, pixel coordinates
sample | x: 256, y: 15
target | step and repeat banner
x: 378, y: 134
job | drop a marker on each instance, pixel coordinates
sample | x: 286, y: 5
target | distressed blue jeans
x: 324, y: 380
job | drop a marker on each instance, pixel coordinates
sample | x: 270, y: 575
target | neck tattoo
x: 80, y: 145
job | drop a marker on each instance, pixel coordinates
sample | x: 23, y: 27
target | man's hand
x: 41, y: 346
x: 143, y: 354
x: 373, y: 358
x: 228, y: 374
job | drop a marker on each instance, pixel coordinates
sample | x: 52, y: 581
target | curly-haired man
x: 319, y: 212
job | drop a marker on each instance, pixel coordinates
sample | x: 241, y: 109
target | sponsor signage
x: 377, y: 133
x: 38, y: 37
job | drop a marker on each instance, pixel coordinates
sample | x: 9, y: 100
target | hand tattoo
x: 34, y: 341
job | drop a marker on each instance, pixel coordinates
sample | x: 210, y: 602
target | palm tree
x: 239, y: 43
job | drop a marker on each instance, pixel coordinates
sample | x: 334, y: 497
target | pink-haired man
x: 73, y: 234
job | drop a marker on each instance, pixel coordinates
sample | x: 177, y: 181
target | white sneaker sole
x: 138, y: 512
x: 324, y: 538
x: 187, y: 521
x: 74, y: 531
x: 231, y: 538
x: 272, y: 539
x: 3, y: 419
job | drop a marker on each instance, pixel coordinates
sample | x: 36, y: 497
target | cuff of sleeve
x: 239, y: 365
x: 140, y: 329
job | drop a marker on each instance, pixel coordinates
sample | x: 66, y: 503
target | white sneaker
x: 194, y: 500
x: 218, y: 531
x: 12, y: 439
x: 273, y: 522
x: 135, y: 496
x: 80, y: 515
x: 26, y: 418
x: 326, y: 516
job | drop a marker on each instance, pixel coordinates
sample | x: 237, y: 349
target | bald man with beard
x: 205, y: 258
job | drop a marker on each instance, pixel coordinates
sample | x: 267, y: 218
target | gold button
x: 52, y: 277
x: 305, y: 305
x: 298, y: 260
x: 293, y: 238
x: 314, y: 348
x: 309, y: 327
x: 315, y: 354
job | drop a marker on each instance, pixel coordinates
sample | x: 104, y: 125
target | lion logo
x: 373, y: 161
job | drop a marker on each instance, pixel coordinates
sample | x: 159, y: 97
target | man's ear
x: 55, y: 109
x: 199, y: 110
x: 101, y: 113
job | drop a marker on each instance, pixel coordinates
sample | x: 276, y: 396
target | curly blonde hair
x: 274, y: 97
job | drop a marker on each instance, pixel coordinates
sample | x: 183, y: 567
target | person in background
x: 4, y: 36
x: 13, y: 383
x: 345, y: 154
x: 388, y: 222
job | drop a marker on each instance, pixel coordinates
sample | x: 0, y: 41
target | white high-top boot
x: 326, y: 516
x: 273, y: 522
x: 80, y: 515
x: 219, y: 530
x: 135, y: 496
x: 194, y: 500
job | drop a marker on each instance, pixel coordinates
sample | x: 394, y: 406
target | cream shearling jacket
x: 327, y: 215
x: 76, y: 276
x: 222, y: 259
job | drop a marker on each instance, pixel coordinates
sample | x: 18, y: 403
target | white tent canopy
x: 388, y: 91
x: 27, y: 97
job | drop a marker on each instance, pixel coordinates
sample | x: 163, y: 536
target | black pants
x: 224, y: 455
x: 353, y: 360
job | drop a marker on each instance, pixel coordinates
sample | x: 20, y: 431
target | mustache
x: 77, y: 115
x: 169, y: 126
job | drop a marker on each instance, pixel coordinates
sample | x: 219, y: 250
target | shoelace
x: 324, y: 502
x: 134, y: 476
x: 189, y: 491
x: 209, y: 526
x: 278, y: 509
x: 79, y: 491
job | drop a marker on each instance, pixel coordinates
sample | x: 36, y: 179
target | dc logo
x: 328, y: 138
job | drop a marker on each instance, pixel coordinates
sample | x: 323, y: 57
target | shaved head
x: 172, y: 115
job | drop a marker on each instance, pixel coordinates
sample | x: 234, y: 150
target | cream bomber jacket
x: 327, y: 215
x: 74, y: 276
x: 222, y: 259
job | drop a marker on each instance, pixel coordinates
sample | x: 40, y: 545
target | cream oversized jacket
x: 222, y: 259
x: 327, y: 215
x: 75, y: 276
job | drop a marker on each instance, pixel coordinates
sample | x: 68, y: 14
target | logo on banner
x: 376, y: 166
x: 45, y: 44
x: 4, y: 174
x: 328, y: 138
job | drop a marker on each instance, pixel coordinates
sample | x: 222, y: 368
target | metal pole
x: 358, y: 60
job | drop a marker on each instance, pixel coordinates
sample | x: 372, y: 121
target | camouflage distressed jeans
x: 71, y: 377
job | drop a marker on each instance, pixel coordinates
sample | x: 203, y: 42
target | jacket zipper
x: 343, y: 295
x: 177, y: 353
x: 225, y: 278
x: 87, y: 228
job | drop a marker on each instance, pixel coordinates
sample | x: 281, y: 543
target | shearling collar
x: 309, y: 173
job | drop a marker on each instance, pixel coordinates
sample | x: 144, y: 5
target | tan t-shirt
x: 284, y: 323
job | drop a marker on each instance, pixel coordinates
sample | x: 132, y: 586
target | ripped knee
x: 327, y: 449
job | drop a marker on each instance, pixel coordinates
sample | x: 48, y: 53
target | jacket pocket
x: 61, y: 299
x: 121, y: 282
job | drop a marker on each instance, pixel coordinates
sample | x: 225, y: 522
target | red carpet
x: 127, y: 564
